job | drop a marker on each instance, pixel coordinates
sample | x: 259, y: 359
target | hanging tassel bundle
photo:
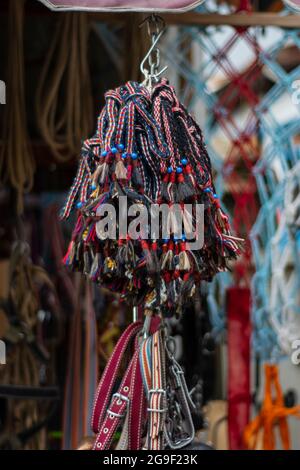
x: 147, y: 150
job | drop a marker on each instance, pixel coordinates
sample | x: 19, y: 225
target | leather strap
x: 90, y: 377
x: 72, y: 393
x: 117, y: 409
x: 129, y: 404
x: 132, y: 426
x: 137, y: 407
x: 109, y: 376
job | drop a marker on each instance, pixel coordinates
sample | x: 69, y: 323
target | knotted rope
x: 62, y: 122
x: 16, y: 160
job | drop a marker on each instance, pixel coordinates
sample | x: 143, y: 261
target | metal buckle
x: 122, y: 398
x: 157, y: 390
x: 164, y: 410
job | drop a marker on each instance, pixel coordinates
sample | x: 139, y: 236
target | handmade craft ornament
x: 148, y: 149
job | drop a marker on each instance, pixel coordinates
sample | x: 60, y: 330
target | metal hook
x: 154, y: 21
x: 153, y: 73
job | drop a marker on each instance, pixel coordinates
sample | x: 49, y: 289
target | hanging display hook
x: 156, y: 28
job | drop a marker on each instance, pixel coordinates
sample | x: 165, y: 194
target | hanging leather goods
x: 82, y: 357
x: 110, y: 409
x: 28, y: 353
x: 82, y: 370
x: 273, y: 414
x: 148, y: 150
x: 239, y: 398
x: 152, y: 360
x: 152, y: 406
x: 16, y: 160
x: 66, y: 66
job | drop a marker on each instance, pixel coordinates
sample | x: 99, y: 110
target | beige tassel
x: 184, y: 262
x: 100, y: 173
x: 172, y: 222
x: 187, y: 222
x: 104, y: 173
x: 96, y: 173
x: 168, y: 259
x: 120, y: 171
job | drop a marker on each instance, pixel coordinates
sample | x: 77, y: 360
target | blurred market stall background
x: 239, y: 74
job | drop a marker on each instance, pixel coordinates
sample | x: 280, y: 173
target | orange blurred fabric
x: 273, y: 412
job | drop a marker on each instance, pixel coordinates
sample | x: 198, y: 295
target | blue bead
x: 94, y: 186
x: 178, y: 169
x: 121, y: 147
x: 184, y: 161
x: 216, y: 196
x: 170, y: 170
x: 134, y: 156
x: 207, y: 190
x: 183, y: 238
x: 78, y: 205
x: 104, y: 153
x: 124, y: 155
x: 114, y: 150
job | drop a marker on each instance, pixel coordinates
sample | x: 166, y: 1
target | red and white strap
x: 108, y: 379
x: 119, y: 407
x: 157, y: 396
x: 137, y: 407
